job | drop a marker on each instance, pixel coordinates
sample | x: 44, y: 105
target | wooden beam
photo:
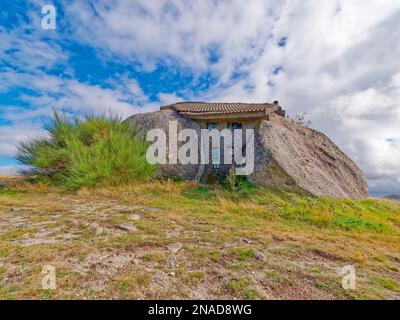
x: 226, y: 116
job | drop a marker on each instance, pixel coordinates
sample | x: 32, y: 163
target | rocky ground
x: 183, y: 241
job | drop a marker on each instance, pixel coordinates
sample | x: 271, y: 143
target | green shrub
x: 234, y: 182
x: 250, y: 294
x: 244, y: 253
x: 349, y: 222
x: 89, y: 152
x: 199, y: 193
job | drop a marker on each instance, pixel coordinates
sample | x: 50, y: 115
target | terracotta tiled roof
x: 204, y: 108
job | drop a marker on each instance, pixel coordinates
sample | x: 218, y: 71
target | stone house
x: 224, y: 116
x: 287, y: 154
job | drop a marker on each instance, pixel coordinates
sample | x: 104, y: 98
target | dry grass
x: 251, y: 244
x: 8, y: 176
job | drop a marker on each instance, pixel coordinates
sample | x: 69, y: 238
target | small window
x: 215, y: 152
x: 234, y: 125
x: 211, y: 126
x: 215, y: 158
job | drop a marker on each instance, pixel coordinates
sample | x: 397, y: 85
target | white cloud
x: 83, y: 97
x: 38, y: 81
x: 342, y: 68
x: 11, y: 135
x: 153, y: 31
x: 59, y: 93
x: 372, y: 118
x: 27, y: 48
x: 9, y: 169
x: 64, y: 95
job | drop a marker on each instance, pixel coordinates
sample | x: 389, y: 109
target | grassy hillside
x: 184, y: 240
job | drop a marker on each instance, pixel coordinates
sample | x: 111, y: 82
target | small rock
x: 172, y: 274
x: 99, y: 230
x: 277, y: 238
x: 151, y: 209
x: 128, y: 226
x: 17, y: 209
x: 172, y: 262
x: 135, y: 216
x: 172, y: 234
x: 175, y: 247
x: 259, y: 255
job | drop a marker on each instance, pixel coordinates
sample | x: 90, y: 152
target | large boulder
x: 160, y: 120
x: 287, y: 155
x: 292, y: 156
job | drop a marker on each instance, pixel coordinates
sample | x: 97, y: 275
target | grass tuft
x: 92, y: 152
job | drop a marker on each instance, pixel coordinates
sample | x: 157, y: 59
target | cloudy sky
x: 336, y: 60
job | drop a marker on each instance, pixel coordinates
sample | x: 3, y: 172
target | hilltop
x: 185, y: 240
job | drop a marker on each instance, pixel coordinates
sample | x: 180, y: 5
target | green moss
x: 322, y: 286
x: 238, y: 266
x: 3, y: 270
x: 388, y: 284
x: 199, y: 193
x: 214, y: 255
x: 6, y: 292
x: 349, y: 222
x: 47, y: 294
x: 277, y: 277
x: 143, y: 279
x: 10, y: 192
x: 124, y: 287
x: 237, y: 285
x: 194, y: 277
x: 243, y: 254
x: 250, y: 294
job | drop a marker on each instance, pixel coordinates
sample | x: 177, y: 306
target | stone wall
x: 287, y: 155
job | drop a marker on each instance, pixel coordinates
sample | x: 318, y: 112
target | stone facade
x: 287, y: 155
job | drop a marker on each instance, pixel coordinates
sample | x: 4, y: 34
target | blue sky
x: 335, y: 60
